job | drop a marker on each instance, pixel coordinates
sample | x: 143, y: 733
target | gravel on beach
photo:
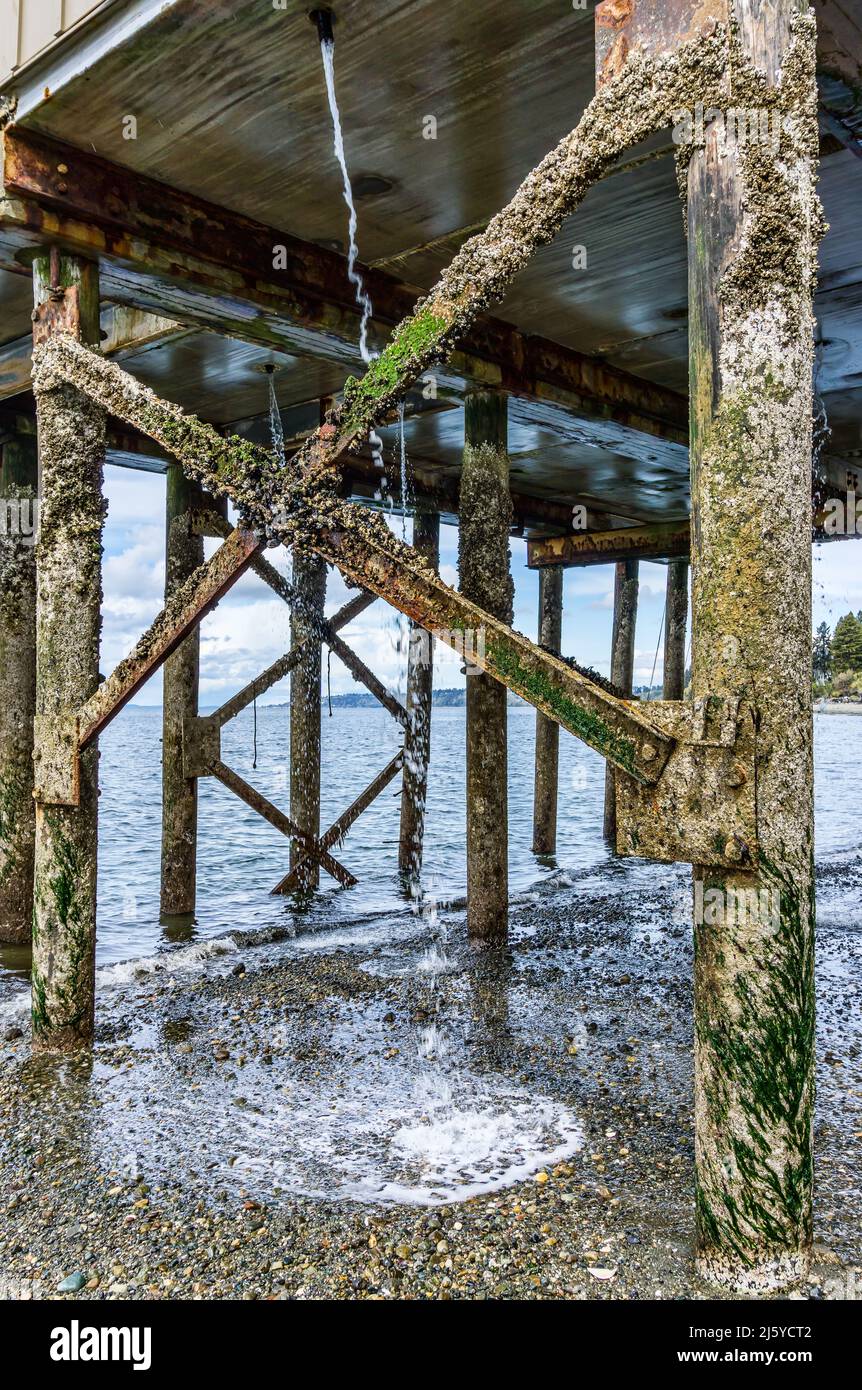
x: 590, y: 1006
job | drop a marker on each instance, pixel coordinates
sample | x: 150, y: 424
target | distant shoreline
x: 835, y: 707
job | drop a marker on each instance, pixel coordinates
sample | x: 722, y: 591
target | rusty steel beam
x: 197, y: 597
x: 615, y: 728
x: 339, y: 828
x: 166, y: 251
x: 279, y: 820
x: 663, y: 542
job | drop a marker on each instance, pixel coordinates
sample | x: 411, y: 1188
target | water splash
x: 327, y: 48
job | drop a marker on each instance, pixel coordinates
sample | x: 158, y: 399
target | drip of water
x: 402, y: 444
x: 275, y: 422
x: 327, y: 48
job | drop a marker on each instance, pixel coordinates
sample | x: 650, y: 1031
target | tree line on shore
x: 838, y: 658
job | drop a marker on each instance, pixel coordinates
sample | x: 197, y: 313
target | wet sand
x: 176, y: 1163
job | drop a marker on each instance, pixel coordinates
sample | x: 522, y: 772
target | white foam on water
x: 438, y: 1147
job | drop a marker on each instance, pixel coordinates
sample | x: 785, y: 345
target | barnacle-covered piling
x: 547, y: 730
x: 675, y: 622
x: 626, y: 584
x: 69, y: 592
x: 18, y: 519
x: 184, y: 552
x: 309, y: 579
x: 754, y: 223
x: 483, y: 563
x: 417, y: 734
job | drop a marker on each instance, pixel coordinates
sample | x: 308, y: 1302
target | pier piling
x: 184, y: 552
x: 676, y: 618
x: 626, y: 585
x: 548, y: 730
x: 417, y: 735
x: 69, y: 591
x: 483, y: 561
x: 309, y: 580
x: 18, y: 520
x: 754, y: 222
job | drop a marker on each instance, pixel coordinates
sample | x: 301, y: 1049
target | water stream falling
x: 327, y: 49
x: 440, y: 1133
x: 275, y: 425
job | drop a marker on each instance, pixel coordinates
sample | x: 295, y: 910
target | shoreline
x: 162, y: 1168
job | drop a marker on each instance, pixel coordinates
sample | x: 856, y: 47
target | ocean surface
x: 241, y: 857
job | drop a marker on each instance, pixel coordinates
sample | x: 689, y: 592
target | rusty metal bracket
x: 702, y: 809
x: 201, y: 745
x: 626, y: 26
x: 56, y: 760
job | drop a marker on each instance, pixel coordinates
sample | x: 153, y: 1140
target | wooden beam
x: 277, y: 818
x: 124, y: 331
x: 283, y: 665
x: 662, y: 542
x: 197, y: 597
x: 165, y: 251
x: 337, y: 831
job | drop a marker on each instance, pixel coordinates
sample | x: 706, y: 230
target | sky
x: 250, y: 627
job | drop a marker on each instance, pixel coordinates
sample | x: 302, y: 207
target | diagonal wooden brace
x: 337, y: 831
x: 182, y: 612
x: 277, y: 818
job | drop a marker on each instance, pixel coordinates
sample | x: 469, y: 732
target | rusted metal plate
x: 56, y: 763
x: 60, y: 313
x: 652, y: 26
x: 201, y: 745
x: 702, y: 809
x: 605, y: 547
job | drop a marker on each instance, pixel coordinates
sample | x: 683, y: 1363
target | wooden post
x: 18, y: 522
x: 69, y: 590
x: 417, y: 735
x: 548, y: 730
x: 309, y: 580
x: 483, y: 559
x: 622, y: 665
x: 676, y: 618
x: 754, y: 222
x: 184, y: 552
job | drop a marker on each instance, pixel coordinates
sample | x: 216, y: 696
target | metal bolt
x: 648, y: 752
x: 737, y: 776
